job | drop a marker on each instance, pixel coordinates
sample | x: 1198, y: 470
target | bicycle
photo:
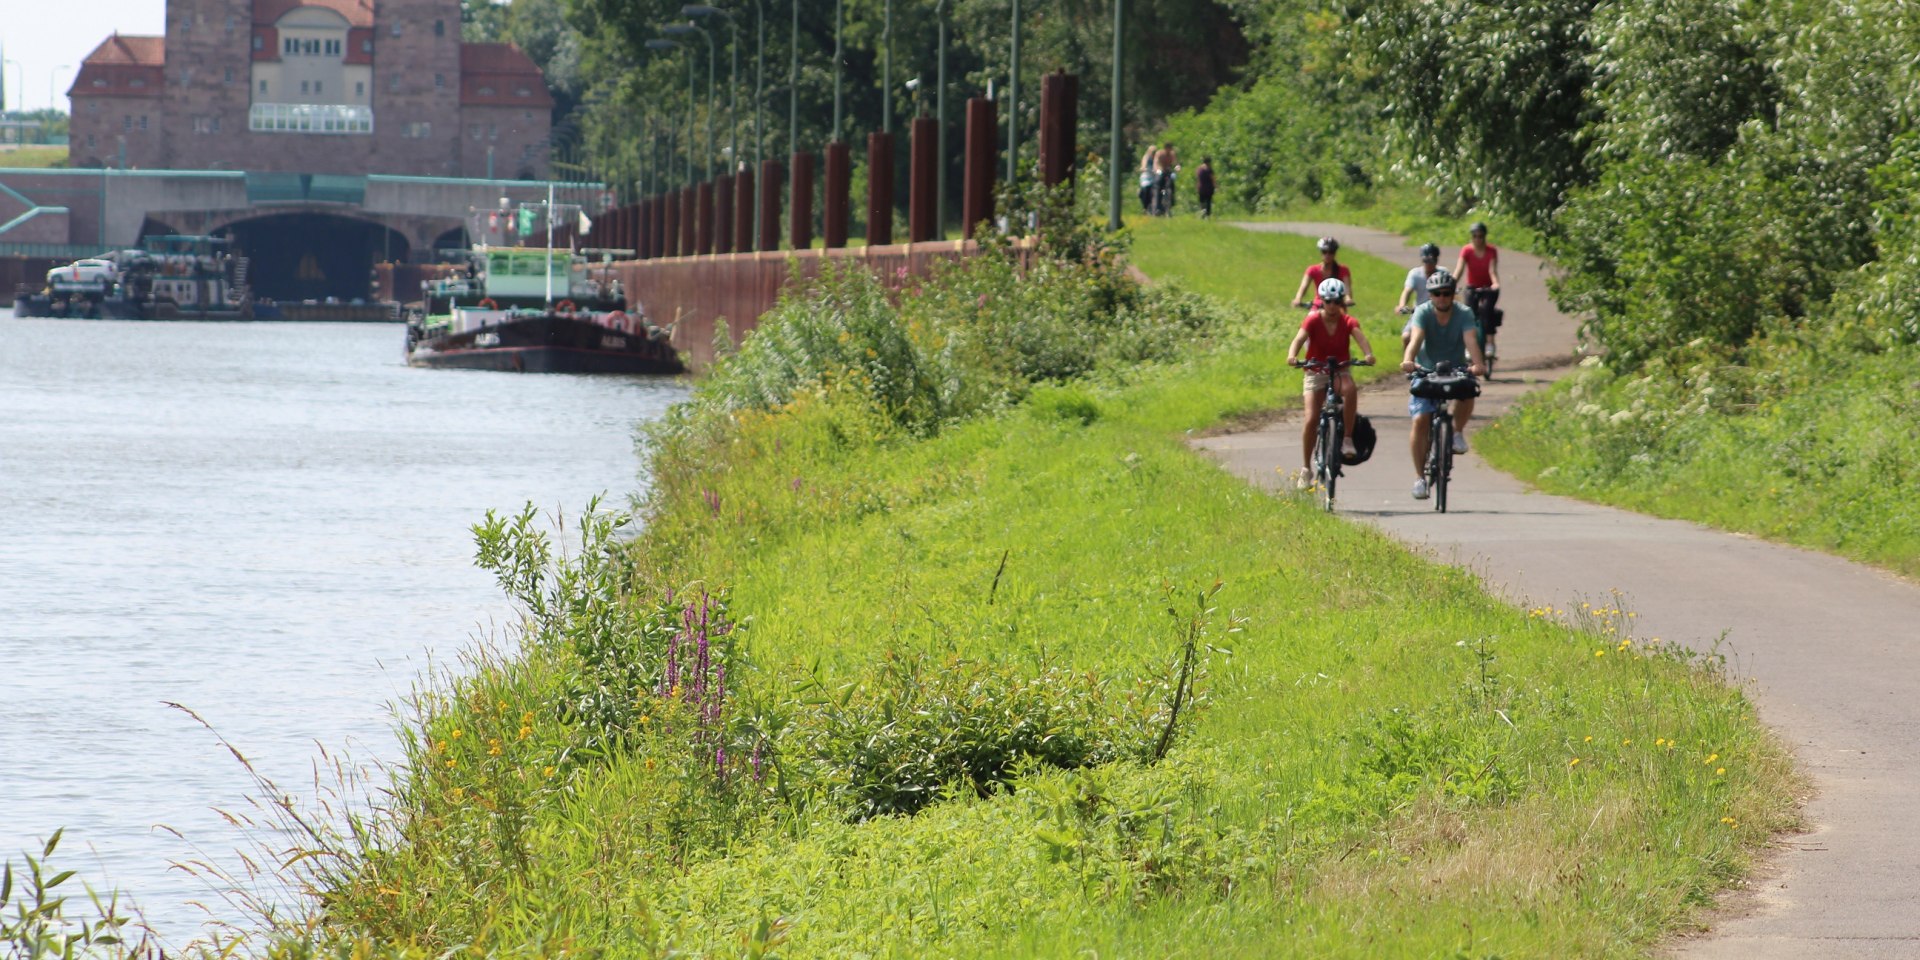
x: 1332, y: 427
x: 1485, y: 304
x: 1442, y: 386
x: 1163, y: 183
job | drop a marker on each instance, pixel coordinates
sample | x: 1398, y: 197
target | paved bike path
x: 1831, y: 647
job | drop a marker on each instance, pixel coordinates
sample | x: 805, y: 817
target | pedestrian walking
x: 1203, y: 187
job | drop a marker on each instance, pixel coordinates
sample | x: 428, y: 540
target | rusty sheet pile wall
x: 690, y: 295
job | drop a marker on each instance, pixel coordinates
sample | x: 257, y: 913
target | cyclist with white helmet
x: 1329, y: 268
x: 1327, y: 334
x: 1443, y: 332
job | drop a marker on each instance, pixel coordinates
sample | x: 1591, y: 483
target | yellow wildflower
x: 456, y: 734
x: 1721, y: 772
x: 1574, y: 762
x: 548, y: 772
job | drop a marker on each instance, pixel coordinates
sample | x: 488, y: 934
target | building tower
x: 416, y: 84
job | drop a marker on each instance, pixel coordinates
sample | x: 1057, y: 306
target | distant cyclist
x: 1329, y: 268
x: 1443, y: 332
x: 1328, y: 333
x: 1479, y: 267
x: 1414, y: 292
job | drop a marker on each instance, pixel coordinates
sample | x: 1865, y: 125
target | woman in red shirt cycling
x: 1328, y: 333
x: 1478, y: 268
x: 1329, y: 268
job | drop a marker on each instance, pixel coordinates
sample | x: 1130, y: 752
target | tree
x: 1488, y: 100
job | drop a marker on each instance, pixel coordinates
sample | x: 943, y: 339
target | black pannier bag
x: 1363, y: 441
x: 1445, y: 386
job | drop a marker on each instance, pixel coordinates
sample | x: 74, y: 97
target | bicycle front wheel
x: 1331, y: 434
x: 1442, y: 457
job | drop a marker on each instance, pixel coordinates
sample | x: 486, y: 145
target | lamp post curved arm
x: 681, y: 29
x: 673, y: 45
x: 940, y: 108
x: 733, y: 56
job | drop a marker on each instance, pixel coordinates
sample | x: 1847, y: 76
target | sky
x: 46, y: 40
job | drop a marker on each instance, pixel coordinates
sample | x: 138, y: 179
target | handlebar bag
x: 1452, y: 386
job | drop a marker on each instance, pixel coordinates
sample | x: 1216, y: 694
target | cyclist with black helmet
x: 1443, y: 332
x: 1478, y: 266
x: 1328, y: 333
x: 1414, y: 292
x: 1329, y: 268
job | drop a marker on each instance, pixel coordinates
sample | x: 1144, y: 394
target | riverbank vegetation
x: 933, y: 648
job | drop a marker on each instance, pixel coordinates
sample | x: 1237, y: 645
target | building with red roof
x: 312, y: 86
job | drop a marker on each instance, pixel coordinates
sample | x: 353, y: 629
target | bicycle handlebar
x: 1330, y: 364
x: 1420, y: 371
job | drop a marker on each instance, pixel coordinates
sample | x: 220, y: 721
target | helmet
x: 1430, y: 251
x: 1331, y: 289
x: 1329, y: 245
x: 1440, y: 281
x: 1479, y: 228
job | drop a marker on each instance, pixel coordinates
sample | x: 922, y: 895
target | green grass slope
x: 1370, y: 757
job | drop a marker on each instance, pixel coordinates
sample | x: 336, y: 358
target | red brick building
x: 312, y: 86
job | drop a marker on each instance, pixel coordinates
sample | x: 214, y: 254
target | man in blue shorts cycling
x: 1443, y: 332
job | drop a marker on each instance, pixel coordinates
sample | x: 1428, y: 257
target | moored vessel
x: 535, y: 310
x: 167, y: 278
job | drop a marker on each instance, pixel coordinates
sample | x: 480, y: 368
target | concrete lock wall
x: 690, y: 295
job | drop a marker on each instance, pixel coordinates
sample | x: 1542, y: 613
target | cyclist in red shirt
x: 1328, y: 333
x: 1329, y: 268
x: 1478, y: 268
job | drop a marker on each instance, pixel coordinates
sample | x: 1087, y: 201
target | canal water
x: 267, y: 524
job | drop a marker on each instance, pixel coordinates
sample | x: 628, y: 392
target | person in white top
x: 1414, y: 293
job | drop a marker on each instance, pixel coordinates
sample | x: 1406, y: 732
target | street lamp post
x: 886, y: 70
x: 658, y: 44
x: 1113, y: 133
x: 839, y: 21
x: 1013, y: 102
x: 940, y: 107
x: 733, y: 94
x: 793, y: 83
x: 681, y: 29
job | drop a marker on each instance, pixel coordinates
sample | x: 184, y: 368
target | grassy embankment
x: 973, y: 593
x: 31, y: 156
